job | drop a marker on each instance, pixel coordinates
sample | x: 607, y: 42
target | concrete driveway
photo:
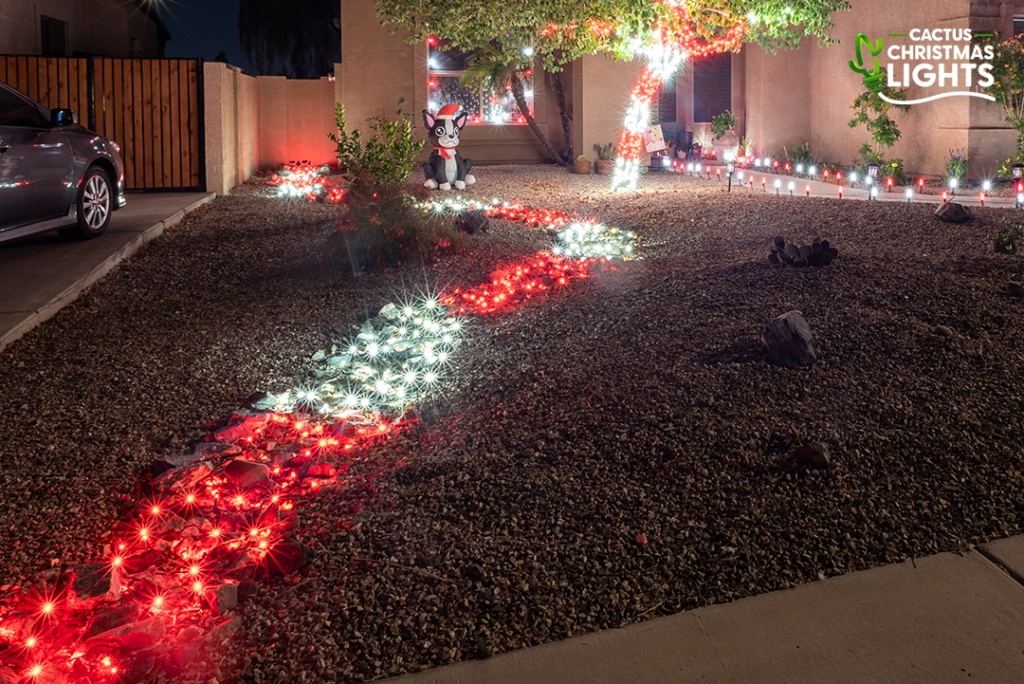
x: 41, y: 274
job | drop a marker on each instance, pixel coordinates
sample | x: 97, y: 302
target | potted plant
x: 725, y: 139
x: 681, y: 140
x: 605, y: 159
x: 582, y: 164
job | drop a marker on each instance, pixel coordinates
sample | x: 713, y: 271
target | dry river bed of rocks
x: 611, y: 453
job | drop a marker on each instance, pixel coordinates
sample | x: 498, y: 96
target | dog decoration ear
x: 461, y: 121
x: 428, y: 119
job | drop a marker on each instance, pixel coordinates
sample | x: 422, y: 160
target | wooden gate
x: 152, y: 108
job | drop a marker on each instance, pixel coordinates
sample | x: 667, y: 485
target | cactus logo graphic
x: 941, y: 58
x: 874, y: 80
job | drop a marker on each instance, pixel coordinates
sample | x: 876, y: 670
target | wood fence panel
x: 152, y: 108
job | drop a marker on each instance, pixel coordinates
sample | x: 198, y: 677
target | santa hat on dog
x: 448, y: 111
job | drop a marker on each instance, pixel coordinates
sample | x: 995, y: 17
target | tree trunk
x: 517, y: 93
x: 563, y: 111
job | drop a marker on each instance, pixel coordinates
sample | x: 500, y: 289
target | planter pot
x: 582, y: 167
x: 605, y: 166
x: 729, y: 142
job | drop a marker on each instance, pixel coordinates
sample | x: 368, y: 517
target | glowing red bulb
x: 47, y: 608
x: 194, y: 570
x: 158, y: 602
x: 117, y: 561
x: 36, y: 671
x: 197, y: 587
x: 155, y: 510
x: 30, y: 642
x: 215, y: 532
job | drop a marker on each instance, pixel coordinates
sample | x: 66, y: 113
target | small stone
x: 181, y: 478
x: 641, y: 538
x: 1015, y: 289
x: 789, y: 341
x: 339, y: 361
x: 227, y: 597
x: 91, y: 580
x: 211, y: 449
x: 472, y: 222
x: 952, y: 212
x: 245, y: 474
x: 813, y: 455
x: 260, y: 401
x: 288, y: 557
x: 942, y: 331
x: 474, y: 573
x: 319, y: 356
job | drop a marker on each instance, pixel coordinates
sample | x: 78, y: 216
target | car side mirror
x: 63, y: 117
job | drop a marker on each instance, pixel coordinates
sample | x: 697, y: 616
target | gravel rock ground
x: 616, y: 452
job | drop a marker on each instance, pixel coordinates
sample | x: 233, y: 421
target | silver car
x: 54, y: 174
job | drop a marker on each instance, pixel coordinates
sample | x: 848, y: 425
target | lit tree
x: 296, y: 38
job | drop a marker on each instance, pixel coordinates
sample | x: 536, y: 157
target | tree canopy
x: 563, y: 30
x: 295, y: 38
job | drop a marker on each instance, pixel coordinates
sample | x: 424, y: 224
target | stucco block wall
x: 263, y: 122
x: 601, y: 88
x: 807, y: 93
x: 94, y: 27
x: 295, y: 120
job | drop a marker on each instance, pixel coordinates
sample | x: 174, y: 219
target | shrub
x: 387, y: 158
x: 956, y: 166
x: 801, y: 154
x: 894, y: 169
x: 722, y: 124
x: 384, y: 224
x: 1005, y: 171
x: 1011, y: 240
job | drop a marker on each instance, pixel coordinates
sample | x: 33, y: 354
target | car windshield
x: 15, y: 111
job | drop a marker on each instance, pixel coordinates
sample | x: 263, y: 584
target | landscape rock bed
x: 614, y: 451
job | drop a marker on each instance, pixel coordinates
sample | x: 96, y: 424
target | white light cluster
x: 395, y: 361
x: 626, y: 174
x: 638, y: 115
x: 300, y: 181
x: 593, y: 240
x: 663, y: 60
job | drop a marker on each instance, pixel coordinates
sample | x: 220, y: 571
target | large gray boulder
x: 951, y: 212
x: 789, y: 341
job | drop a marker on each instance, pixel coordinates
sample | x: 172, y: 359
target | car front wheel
x: 95, y: 202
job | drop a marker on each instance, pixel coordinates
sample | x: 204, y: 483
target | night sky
x: 202, y: 28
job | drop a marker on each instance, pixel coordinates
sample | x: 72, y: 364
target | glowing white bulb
x: 853, y: 177
x: 799, y: 168
x: 986, y: 185
x: 812, y: 171
x: 953, y: 183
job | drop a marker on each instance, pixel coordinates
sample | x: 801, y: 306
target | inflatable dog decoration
x: 446, y: 168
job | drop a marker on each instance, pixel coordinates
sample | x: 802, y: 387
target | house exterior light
x: 872, y: 173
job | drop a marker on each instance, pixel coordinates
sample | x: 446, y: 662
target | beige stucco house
x: 96, y: 28
x: 779, y: 100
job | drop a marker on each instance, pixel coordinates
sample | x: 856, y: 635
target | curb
x: 46, y: 311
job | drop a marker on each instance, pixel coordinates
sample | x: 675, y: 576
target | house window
x: 667, y: 102
x: 52, y: 32
x: 445, y: 70
x: 712, y: 87
x: 1018, y: 26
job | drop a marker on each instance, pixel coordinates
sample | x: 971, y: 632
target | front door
x: 35, y: 165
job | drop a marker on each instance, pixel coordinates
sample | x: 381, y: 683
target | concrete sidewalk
x: 937, y: 620
x: 41, y: 274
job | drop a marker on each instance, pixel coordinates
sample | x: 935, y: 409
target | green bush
x: 722, y: 124
x: 384, y: 224
x: 1010, y: 240
x: 956, y: 167
x: 387, y: 158
x: 894, y: 169
x: 801, y: 154
x: 1006, y: 170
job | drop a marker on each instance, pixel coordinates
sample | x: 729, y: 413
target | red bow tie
x: 444, y: 152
